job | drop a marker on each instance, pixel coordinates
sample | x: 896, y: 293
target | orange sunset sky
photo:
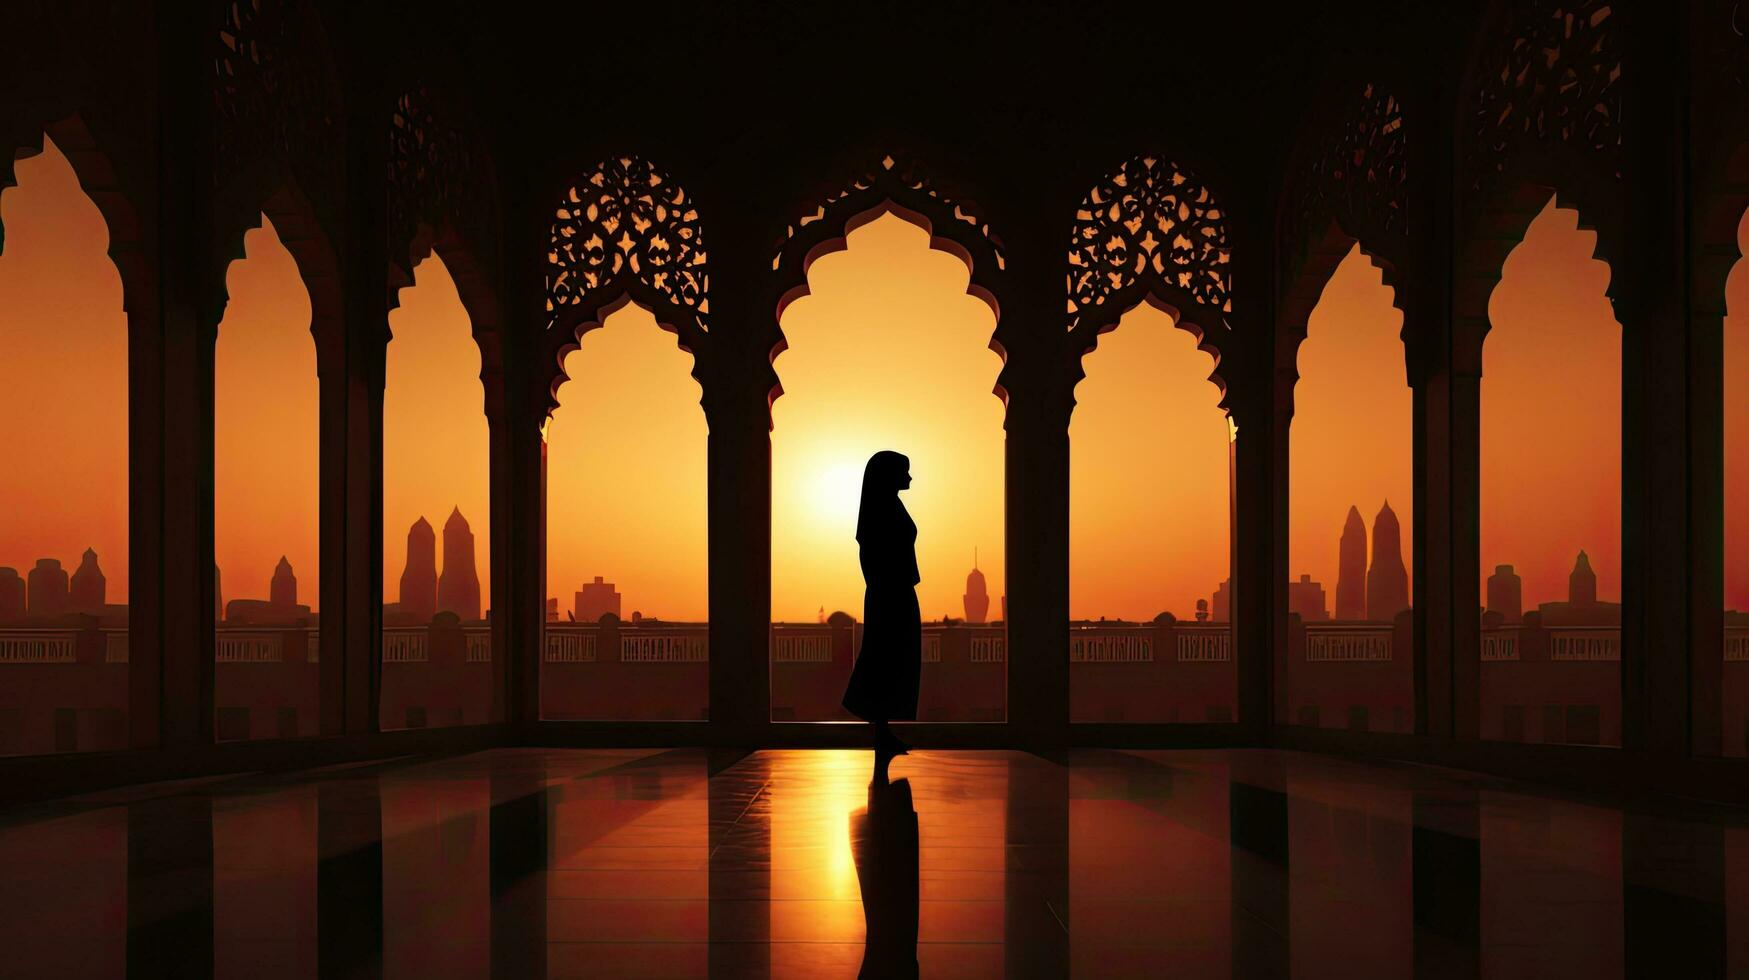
x: 887, y: 352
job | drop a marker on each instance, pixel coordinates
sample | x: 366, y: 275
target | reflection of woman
x: 883, y: 842
x: 883, y: 685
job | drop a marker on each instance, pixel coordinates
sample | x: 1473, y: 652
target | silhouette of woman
x: 883, y: 685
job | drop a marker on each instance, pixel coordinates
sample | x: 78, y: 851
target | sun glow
x: 887, y: 352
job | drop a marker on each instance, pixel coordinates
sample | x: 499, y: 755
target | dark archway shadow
x: 883, y: 841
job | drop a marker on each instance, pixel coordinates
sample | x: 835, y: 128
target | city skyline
x: 1547, y: 270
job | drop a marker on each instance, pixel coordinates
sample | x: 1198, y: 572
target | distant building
x: 458, y: 589
x: 595, y: 600
x: 1582, y: 582
x: 1506, y: 594
x: 1222, y: 607
x: 1581, y: 608
x: 1387, y: 581
x: 283, y: 591
x: 12, y: 592
x: 419, y: 575
x: 1351, y: 570
x: 1306, y: 600
x: 552, y: 609
x: 254, y: 612
x: 977, y: 597
x: 48, y: 588
x: 88, y: 586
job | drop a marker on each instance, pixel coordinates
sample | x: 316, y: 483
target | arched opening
x: 1735, y: 686
x: 1551, y: 493
x: 626, y: 554
x: 437, y: 645
x: 888, y: 350
x: 64, y: 474
x: 266, y: 467
x: 1350, y: 512
x: 1150, y: 530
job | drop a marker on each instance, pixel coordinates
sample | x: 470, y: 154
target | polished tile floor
x: 684, y: 863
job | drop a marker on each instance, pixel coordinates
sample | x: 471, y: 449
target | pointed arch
x: 1542, y: 116
x: 1151, y: 232
x: 627, y: 232
x: 899, y: 185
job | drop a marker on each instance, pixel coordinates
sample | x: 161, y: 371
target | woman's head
x: 886, y: 474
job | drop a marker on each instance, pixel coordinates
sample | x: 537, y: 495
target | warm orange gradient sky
x: 64, y: 478
x: 1353, y: 425
x: 436, y: 452
x: 888, y: 352
x: 1149, y: 513
x: 626, y: 472
x: 267, y: 415
x: 1736, y: 369
x: 888, y: 309
x: 1551, y: 414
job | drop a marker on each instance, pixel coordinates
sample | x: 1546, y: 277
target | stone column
x: 170, y: 401
x: 1039, y: 377
x: 519, y: 462
x: 1426, y: 300
x: 736, y: 377
x: 352, y: 419
x: 1659, y: 546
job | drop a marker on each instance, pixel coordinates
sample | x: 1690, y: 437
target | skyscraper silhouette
x: 48, y: 588
x: 1387, y: 581
x: 1582, y: 584
x: 11, y: 595
x: 595, y: 600
x: 1506, y: 594
x: 1305, y: 599
x: 89, y: 586
x: 419, y: 577
x: 1351, y: 569
x: 977, y: 597
x: 283, y: 591
x: 458, y: 589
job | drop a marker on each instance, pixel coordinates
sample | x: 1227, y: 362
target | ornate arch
x: 626, y: 233
x: 899, y: 185
x: 1150, y: 231
x: 1547, y: 77
x: 1350, y: 186
x: 440, y: 189
x: 279, y: 117
x: 99, y: 181
x: 442, y: 196
x: 1543, y: 118
x: 1721, y: 148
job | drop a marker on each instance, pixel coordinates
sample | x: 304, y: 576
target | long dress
x: 883, y: 684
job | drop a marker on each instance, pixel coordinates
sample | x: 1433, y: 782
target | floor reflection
x: 883, y: 838
x: 693, y: 862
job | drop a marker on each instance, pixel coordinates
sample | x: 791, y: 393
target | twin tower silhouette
x: 1378, y: 593
x: 425, y: 593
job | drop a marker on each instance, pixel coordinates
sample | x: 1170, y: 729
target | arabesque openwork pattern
x: 1552, y: 80
x: 627, y: 219
x: 277, y: 95
x: 1358, y: 173
x: 438, y: 174
x: 899, y: 173
x: 1150, y: 219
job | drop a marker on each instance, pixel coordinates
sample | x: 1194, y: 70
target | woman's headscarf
x: 882, y: 480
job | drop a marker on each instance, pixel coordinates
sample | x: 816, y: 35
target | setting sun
x: 887, y: 352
